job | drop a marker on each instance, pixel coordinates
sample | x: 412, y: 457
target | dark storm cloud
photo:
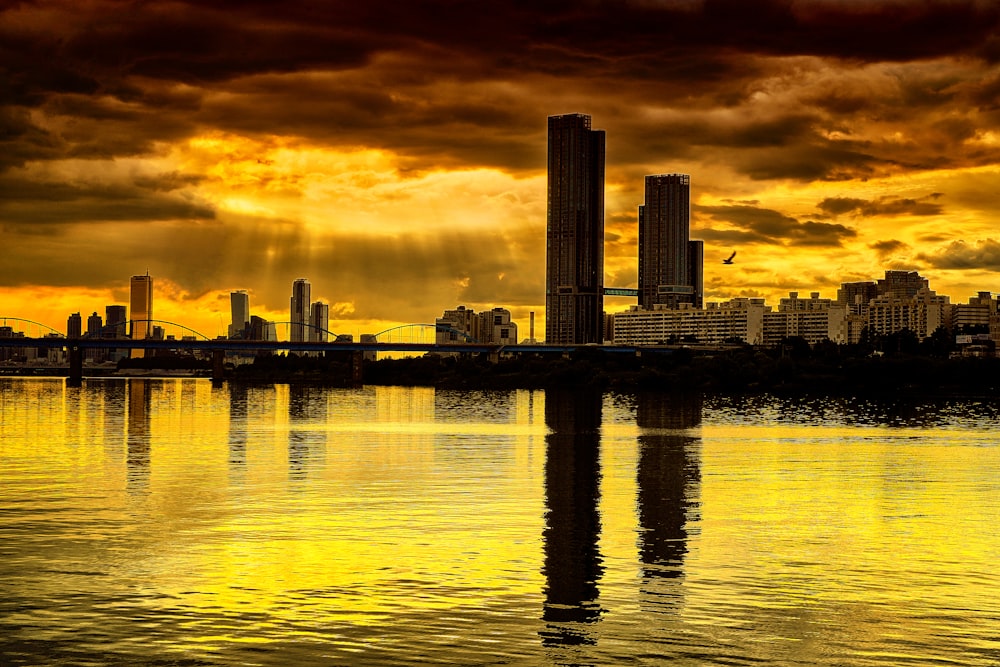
x: 761, y: 225
x: 27, y: 202
x: 886, y: 248
x: 923, y: 206
x: 982, y: 255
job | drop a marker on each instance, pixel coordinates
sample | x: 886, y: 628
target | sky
x: 394, y: 153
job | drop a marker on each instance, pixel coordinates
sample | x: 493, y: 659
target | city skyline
x: 413, y: 179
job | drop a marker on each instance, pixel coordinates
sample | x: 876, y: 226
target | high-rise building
x: 239, y: 302
x: 94, y: 325
x: 299, y: 310
x: 901, y: 284
x: 94, y: 330
x: 74, y: 326
x: 141, y: 309
x: 856, y: 296
x: 319, y: 321
x: 115, y: 326
x: 115, y: 321
x: 574, y: 272
x: 670, y: 264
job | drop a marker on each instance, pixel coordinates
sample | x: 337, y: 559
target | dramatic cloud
x: 395, y: 151
x: 888, y: 248
x: 836, y: 206
x: 982, y: 255
x: 761, y: 225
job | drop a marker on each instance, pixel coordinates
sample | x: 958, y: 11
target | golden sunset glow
x: 398, y: 162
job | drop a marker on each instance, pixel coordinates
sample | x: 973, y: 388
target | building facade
x: 574, y: 272
x: 74, y: 326
x: 670, y: 264
x: 141, y: 309
x: 299, y: 310
x: 739, y: 319
x: 239, y: 306
x: 319, y: 322
x: 466, y: 325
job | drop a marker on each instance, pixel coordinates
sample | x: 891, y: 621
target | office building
x: 141, y: 309
x: 239, y: 306
x: 671, y: 265
x: 901, y: 284
x: 856, y: 296
x: 319, y: 322
x: 464, y: 325
x: 115, y: 326
x: 261, y: 329
x: 115, y: 322
x: 299, y: 318
x: 574, y: 272
x: 95, y: 326
x: 74, y: 326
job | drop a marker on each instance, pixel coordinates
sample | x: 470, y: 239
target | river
x: 170, y: 522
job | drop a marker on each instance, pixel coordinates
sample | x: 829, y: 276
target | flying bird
x: 730, y: 260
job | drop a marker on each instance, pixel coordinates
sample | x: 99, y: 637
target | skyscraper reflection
x: 307, y: 415
x: 114, y: 396
x: 237, y: 424
x: 668, y: 479
x: 573, y: 563
x: 137, y: 458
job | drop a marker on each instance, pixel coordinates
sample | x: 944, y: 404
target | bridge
x: 218, y: 348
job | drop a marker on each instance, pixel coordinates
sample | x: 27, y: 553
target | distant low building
x: 466, y: 325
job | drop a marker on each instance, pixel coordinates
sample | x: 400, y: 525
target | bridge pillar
x: 218, y: 366
x: 357, y: 368
x: 75, y: 365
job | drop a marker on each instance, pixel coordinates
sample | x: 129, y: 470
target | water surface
x: 149, y: 521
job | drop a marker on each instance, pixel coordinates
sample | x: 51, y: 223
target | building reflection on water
x: 307, y: 409
x: 572, y: 561
x: 137, y: 458
x: 668, y: 481
x: 112, y: 395
x: 238, y: 410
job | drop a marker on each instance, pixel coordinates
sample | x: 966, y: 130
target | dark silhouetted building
x: 671, y: 266
x: 299, y: 307
x: 239, y: 303
x: 74, y: 326
x: 115, y: 321
x: 574, y: 275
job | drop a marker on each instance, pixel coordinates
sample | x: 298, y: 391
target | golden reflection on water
x: 562, y: 527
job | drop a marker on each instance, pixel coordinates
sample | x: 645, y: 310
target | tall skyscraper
x: 319, y: 319
x: 670, y: 263
x: 574, y: 272
x: 299, y: 310
x: 239, y: 302
x: 141, y: 309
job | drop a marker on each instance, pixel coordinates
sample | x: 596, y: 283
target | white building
x: 921, y: 313
x: 738, y: 319
x: 813, y: 319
